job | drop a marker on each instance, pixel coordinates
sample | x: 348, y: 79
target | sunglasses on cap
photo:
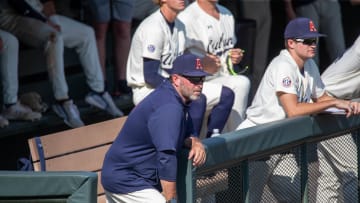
x: 309, y: 41
x: 195, y: 80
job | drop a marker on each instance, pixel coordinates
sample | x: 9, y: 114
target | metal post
x: 358, y: 161
x: 304, y: 173
x: 245, y: 182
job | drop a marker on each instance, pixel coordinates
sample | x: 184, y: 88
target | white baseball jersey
x: 207, y: 34
x: 342, y: 77
x: 283, y: 75
x: 153, y: 39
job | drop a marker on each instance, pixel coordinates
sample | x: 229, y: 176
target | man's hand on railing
x: 351, y: 107
x: 355, y: 107
x: 197, y: 152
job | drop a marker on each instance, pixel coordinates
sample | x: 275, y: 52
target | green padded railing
x: 237, y: 148
x: 50, y: 187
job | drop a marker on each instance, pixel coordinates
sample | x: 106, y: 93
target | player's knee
x: 227, y: 96
x: 122, y: 29
x: 244, y: 82
x: 241, y: 85
x: 11, y: 44
x: 88, y: 31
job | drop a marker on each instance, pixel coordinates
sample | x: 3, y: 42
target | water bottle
x: 216, y: 132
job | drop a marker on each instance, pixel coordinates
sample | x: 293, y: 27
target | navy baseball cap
x: 188, y: 65
x: 301, y: 28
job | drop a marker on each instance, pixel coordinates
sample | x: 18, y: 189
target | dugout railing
x: 225, y: 175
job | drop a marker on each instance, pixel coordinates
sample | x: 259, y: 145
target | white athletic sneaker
x: 3, y: 122
x: 19, y: 111
x: 104, y: 102
x: 70, y: 113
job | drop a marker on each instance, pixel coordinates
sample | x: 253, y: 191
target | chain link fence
x: 324, y: 169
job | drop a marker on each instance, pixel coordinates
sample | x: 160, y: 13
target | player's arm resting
x: 294, y: 108
x: 352, y: 106
x: 23, y: 8
x: 197, y: 151
x: 167, y: 173
x: 151, y: 74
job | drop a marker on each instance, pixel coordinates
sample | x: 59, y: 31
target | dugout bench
x: 79, y: 149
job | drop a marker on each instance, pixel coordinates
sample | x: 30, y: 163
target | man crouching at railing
x: 142, y: 161
x: 290, y: 87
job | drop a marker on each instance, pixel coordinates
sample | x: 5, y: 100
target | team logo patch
x: 286, y: 82
x: 198, y: 64
x: 151, y: 48
x: 312, y: 26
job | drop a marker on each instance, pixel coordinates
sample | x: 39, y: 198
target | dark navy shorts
x: 106, y: 10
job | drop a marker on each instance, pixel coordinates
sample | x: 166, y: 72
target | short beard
x: 188, y: 94
x: 194, y: 97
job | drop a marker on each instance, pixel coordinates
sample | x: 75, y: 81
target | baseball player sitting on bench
x: 291, y: 87
x: 211, y: 33
x: 158, y: 40
x: 36, y: 24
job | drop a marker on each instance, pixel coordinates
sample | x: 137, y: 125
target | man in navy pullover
x: 142, y: 162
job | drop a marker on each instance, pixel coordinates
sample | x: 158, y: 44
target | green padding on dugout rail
x: 327, y: 124
x: 70, y: 187
x: 237, y: 148
x: 272, y: 136
x: 250, y: 141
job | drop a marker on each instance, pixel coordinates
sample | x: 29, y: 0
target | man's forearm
x: 169, y: 189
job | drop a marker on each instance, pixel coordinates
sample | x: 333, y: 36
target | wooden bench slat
x: 80, y: 149
x: 89, y: 160
x: 78, y: 138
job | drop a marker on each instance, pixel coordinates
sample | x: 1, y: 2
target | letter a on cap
x: 198, y: 64
x: 312, y: 26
